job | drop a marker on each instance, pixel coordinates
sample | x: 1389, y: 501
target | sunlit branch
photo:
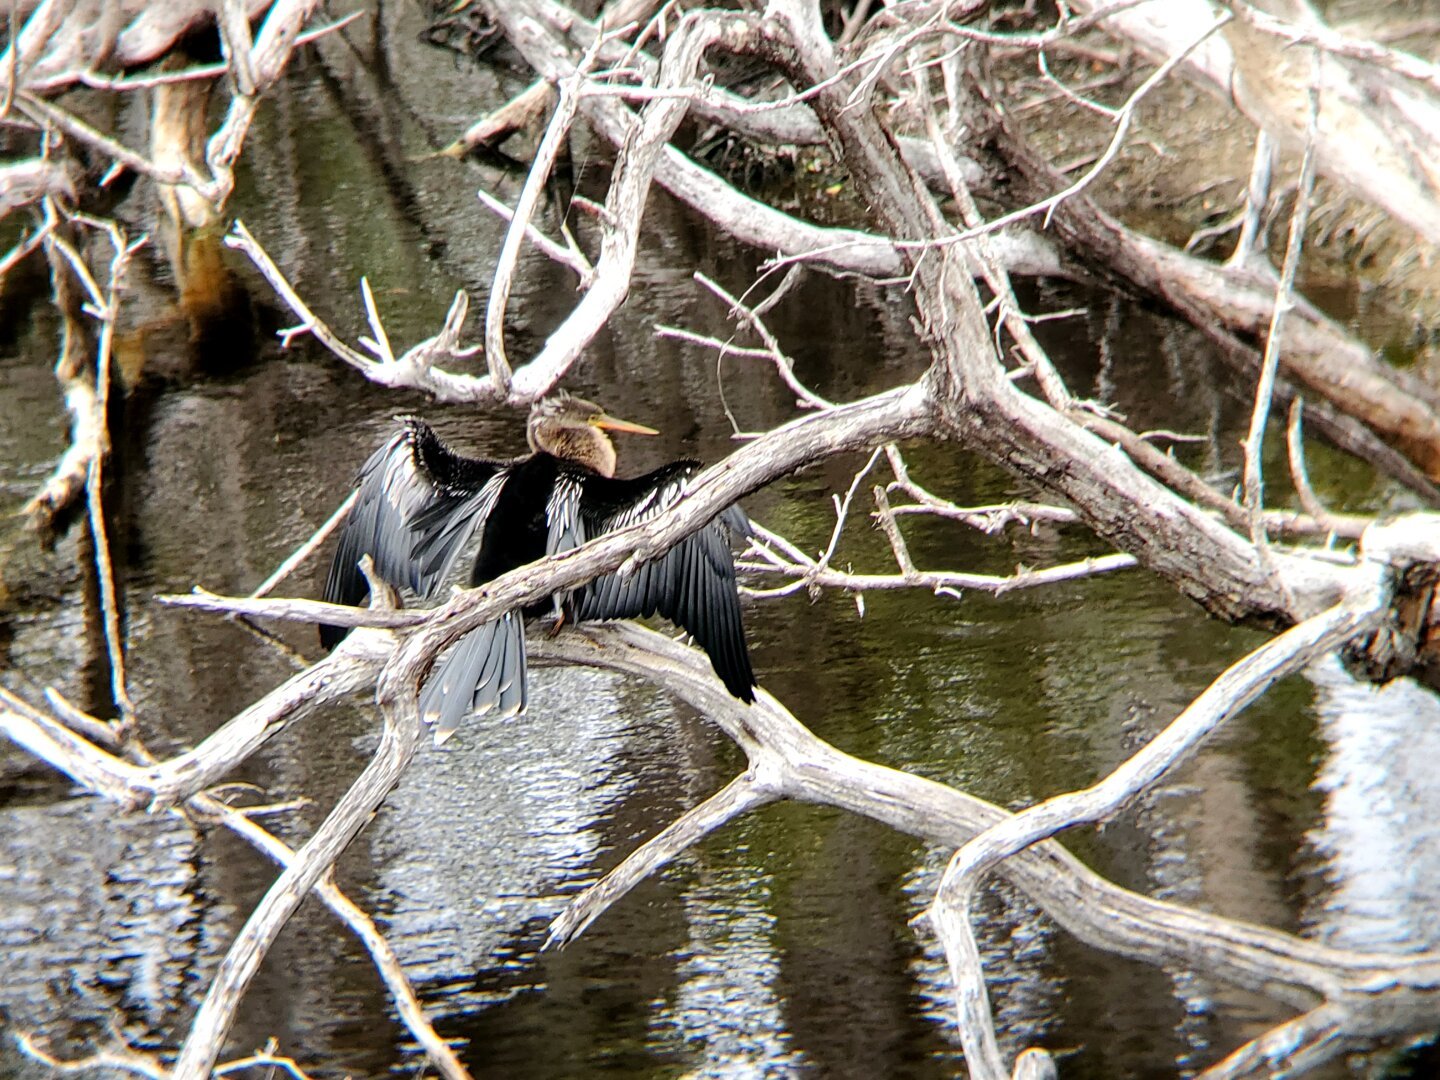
x: 774, y: 555
x: 568, y: 255
x: 414, y: 370
x: 740, y: 796
x: 556, y: 132
x: 784, y: 365
x: 1234, y: 690
x: 1284, y: 301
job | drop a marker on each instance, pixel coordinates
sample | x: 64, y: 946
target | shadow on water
x: 782, y: 945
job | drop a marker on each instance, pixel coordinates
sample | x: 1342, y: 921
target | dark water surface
x: 782, y: 946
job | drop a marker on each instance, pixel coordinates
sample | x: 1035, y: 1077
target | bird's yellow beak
x: 609, y: 423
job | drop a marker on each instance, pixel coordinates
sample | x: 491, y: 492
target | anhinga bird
x: 419, y: 503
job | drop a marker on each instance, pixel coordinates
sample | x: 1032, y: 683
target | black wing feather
x: 692, y: 584
x: 417, y: 504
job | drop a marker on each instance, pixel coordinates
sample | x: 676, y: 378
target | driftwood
x: 1382, y: 103
x: 524, y: 112
x: 634, y: 77
x: 77, y: 371
x: 1319, y: 356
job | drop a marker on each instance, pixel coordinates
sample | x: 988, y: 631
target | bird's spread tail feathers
x: 483, y: 674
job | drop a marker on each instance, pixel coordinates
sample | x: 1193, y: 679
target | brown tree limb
x: 1229, y: 300
x: 521, y: 112
x: 71, y: 283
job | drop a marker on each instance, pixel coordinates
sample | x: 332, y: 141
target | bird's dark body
x: 520, y: 520
x: 419, y: 503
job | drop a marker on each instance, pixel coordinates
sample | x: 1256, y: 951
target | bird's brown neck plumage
x: 579, y: 442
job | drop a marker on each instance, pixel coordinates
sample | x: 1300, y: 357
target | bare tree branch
x: 1381, y: 126
x: 1240, y: 685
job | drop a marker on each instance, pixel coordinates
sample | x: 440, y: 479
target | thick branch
x: 1319, y: 355
x: 1201, y: 557
x: 1240, y: 685
x: 1381, y: 132
x: 786, y: 757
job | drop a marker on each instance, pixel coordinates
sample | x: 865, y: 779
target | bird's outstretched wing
x: 692, y: 584
x: 417, y: 504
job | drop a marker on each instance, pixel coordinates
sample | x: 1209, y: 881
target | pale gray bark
x: 1155, y: 514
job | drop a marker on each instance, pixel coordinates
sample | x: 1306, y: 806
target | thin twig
x: 305, y: 550
x: 242, y: 239
x: 842, y: 512
x: 1284, y: 301
x: 379, y: 342
x: 783, y: 363
x: 556, y: 132
x: 94, y: 483
x: 1299, y: 475
x: 29, y: 242
x: 567, y: 255
x: 414, y: 369
x: 1125, y: 116
x: 1257, y: 198
x: 44, y: 113
x: 1051, y: 383
x: 891, y: 528
x: 123, y: 1059
x: 269, y: 1059
x: 807, y: 575
x: 725, y: 348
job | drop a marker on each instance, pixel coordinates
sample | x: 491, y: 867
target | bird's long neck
x: 586, y: 445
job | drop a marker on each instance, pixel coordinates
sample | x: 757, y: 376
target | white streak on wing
x: 652, y: 505
x: 562, y: 512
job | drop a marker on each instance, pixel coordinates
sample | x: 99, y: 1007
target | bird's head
x: 571, y: 427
